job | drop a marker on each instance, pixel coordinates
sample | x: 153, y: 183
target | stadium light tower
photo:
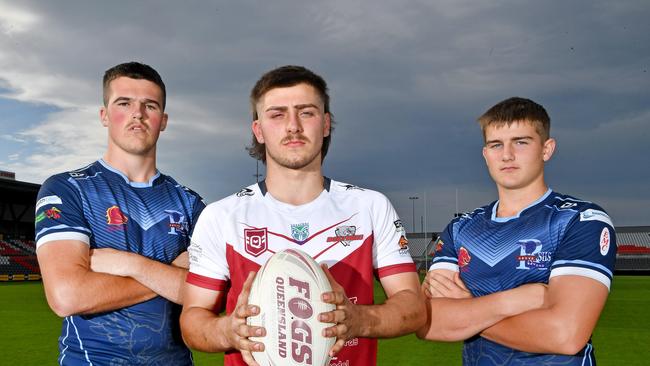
x: 413, y: 198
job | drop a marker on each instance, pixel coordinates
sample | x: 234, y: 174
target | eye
x: 307, y: 113
x: 123, y: 104
x: 495, y: 145
x: 152, y: 107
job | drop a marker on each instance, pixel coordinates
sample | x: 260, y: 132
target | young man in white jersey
x: 356, y: 232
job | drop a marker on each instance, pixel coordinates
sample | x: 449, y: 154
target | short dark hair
x: 517, y: 109
x: 133, y: 70
x: 284, y: 77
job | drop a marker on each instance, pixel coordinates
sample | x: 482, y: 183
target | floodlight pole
x: 413, y: 198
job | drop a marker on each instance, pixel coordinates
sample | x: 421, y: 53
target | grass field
x: 29, y: 330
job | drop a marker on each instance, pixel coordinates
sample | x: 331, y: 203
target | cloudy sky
x: 407, y: 80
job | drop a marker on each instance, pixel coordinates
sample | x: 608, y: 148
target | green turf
x: 29, y: 330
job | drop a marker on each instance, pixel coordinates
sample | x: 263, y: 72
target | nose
x: 138, y: 110
x: 508, y: 153
x: 294, y: 125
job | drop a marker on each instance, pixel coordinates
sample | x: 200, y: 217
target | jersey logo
x: 177, y: 223
x: 463, y: 257
x: 300, y: 232
x: 403, y: 245
x: 531, y: 255
x: 52, y: 213
x: 48, y: 200
x: 597, y: 215
x: 344, y: 235
x: 245, y: 192
x: 114, y: 216
x: 351, y: 187
x: 604, y: 241
x: 255, y: 241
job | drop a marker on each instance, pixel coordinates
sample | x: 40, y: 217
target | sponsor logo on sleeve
x: 52, y: 213
x: 255, y: 241
x: 604, y: 241
x: 403, y: 245
x: 48, y: 200
x: 114, y: 216
x: 439, y: 245
x: 596, y: 215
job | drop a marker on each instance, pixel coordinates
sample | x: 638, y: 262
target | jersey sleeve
x: 207, y: 252
x: 59, y: 212
x: 588, y: 247
x: 445, y: 256
x: 390, y: 250
x: 197, y: 208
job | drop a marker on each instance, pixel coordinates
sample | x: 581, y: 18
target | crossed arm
x: 561, y: 323
x: 402, y: 313
x: 80, y: 281
x: 454, y: 315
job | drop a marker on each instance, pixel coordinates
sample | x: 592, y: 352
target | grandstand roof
x: 13, y: 191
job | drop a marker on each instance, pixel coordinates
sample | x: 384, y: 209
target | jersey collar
x: 262, y: 185
x: 506, y: 219
x: 126, y: 179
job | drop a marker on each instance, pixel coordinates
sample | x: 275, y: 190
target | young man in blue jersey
x: 524, y: 279
x: 112, y: 237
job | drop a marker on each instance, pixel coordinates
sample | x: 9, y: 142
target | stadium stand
x: 633, y: 254
x: 17, y: 250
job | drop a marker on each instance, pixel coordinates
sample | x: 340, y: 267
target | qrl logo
x: 255, y: 241
x: 301, y: 333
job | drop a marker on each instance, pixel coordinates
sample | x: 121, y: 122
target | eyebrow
x: 516, y: 138
x: 298, y: 106
x: 127, y: 99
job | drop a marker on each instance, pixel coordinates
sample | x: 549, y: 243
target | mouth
x: 508, y: 169
x: 294, y: 141
x: 137, y: 128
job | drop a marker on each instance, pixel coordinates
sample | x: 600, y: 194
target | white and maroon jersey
x: 355, y: 231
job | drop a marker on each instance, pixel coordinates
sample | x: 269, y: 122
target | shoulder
x: 184, y: 189
x: 351, y: 191
x: 239, y: 200
x: 579, y: 209
x: 69, y: 178
x: 467, y: 217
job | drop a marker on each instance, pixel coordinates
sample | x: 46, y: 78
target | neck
x: 294, y: 186
x: 512, y: 201
x: 138, y: 168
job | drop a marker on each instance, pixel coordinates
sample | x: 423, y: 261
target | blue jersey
x: 556, y: 235
x: 99, y: 206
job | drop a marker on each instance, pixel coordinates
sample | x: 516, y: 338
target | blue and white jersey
x: 98, y: 205
x: 556, y: 235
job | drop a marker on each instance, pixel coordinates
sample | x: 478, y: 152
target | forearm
x: 204, y: 330
x: 536, y: 331
x: 458, y: 319
x: 402, y: 313
x: 163, y: 279
x: 89, y: 292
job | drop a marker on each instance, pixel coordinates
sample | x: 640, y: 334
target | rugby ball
x: 288, y: 291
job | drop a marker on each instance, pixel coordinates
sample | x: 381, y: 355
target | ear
x: 548, y: 149
x: 163, y: 122
x: 257, y: 131
x: 327, y: 125
x: 484, y: 152
x: 103, y: 116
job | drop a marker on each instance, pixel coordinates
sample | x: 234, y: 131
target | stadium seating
x: 18, y: 260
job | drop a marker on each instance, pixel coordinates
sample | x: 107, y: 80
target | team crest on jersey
x: 344, y: 235
x: 531, y: 255
x: 398, y: 226
x: 300, y: 232
x: 53, y: 213
x: 439, y: 245
x: 177, y: 223
x: 245, y: 192
x: 255, y: 241
x: 463, y: 258
x: 114, y: 216
x: 403, y: 245
x: 604, y: 241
